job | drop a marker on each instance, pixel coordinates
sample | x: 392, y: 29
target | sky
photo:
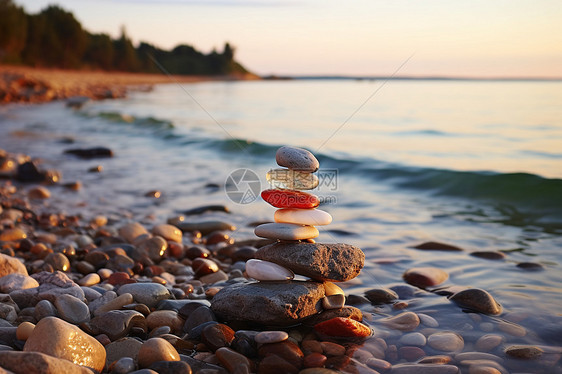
x: 477, y: 38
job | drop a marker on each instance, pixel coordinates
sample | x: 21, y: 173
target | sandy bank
x: 25, y: 84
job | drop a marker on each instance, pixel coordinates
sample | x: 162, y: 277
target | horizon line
x: 405, y: 77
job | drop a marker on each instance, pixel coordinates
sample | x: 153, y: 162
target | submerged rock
x: 437, y: 246
x: 478, y: 300
x: 89, y: 153
x: 424, y: 277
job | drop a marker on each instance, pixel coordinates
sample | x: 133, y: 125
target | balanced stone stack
x: 277, y: 299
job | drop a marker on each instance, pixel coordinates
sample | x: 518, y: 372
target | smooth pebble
x: 156, y: 349
x: 267, y: 271
x: 266, y: 337
x: 286, y: 231
x: 296, y: 159
x: 314, y: 217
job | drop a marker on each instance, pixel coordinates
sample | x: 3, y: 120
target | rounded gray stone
x: 296, y: 159
x: 149, y: 294
x: 322, y: 262
x: 72, y: 310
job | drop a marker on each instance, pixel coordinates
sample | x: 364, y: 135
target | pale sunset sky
x: 478, y: 38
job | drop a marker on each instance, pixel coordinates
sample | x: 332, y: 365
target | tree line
x: 54, y: 38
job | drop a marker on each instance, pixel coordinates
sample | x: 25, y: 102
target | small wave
x: 543, y: 154
x: 515, y: 189
x: 123, y: 118
x: 531, y: 193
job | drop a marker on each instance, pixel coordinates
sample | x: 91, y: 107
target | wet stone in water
x: 446, y: 341
x: 478, y: 300
x: 424, y: 277
x: 381, y: 296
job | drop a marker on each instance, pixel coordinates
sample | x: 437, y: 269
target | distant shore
x: 38, y: 85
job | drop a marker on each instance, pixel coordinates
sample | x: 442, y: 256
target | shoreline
x: 22, y: 84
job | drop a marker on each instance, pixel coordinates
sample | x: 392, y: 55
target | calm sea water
x: 474, y: 164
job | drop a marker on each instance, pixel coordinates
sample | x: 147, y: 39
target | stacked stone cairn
x: 277, y: 299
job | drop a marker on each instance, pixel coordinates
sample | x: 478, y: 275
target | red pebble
x: 290, y: 199
x: 119, y: 278
x: 314, y: 360
x: 343, y: 327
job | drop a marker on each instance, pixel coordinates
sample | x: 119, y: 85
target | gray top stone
x: 269, y: 303
x: 321, y: 262
x: 296, y: 159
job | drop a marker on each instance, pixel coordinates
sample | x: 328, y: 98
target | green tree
x: 13, y: 31
x: 66, y: 36
x: 32, y: 54
x: 100, y: 53
x: 125, y: 58
x: 55, y: 38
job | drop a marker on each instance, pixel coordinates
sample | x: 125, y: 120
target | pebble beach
x: 88, y: 291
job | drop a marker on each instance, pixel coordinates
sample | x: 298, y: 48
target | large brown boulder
x: 269, y: 303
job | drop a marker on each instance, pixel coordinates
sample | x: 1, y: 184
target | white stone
x: 286, y: 231
x: 267, y: 271
x: 314, y: 217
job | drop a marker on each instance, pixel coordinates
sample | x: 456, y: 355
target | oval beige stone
x: 446, y: 341
x: 131, y: 231
x: 488, y: 342
x: 406, y: 321
x: 9, y: 265
x: 332, y: 289
x: 39, y: 192
x: 12, y: 235
x: 58, y: 338
x: 24, y: 330
x: 156, y: 349
x: 286, y: 231
x: 168, y: 232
